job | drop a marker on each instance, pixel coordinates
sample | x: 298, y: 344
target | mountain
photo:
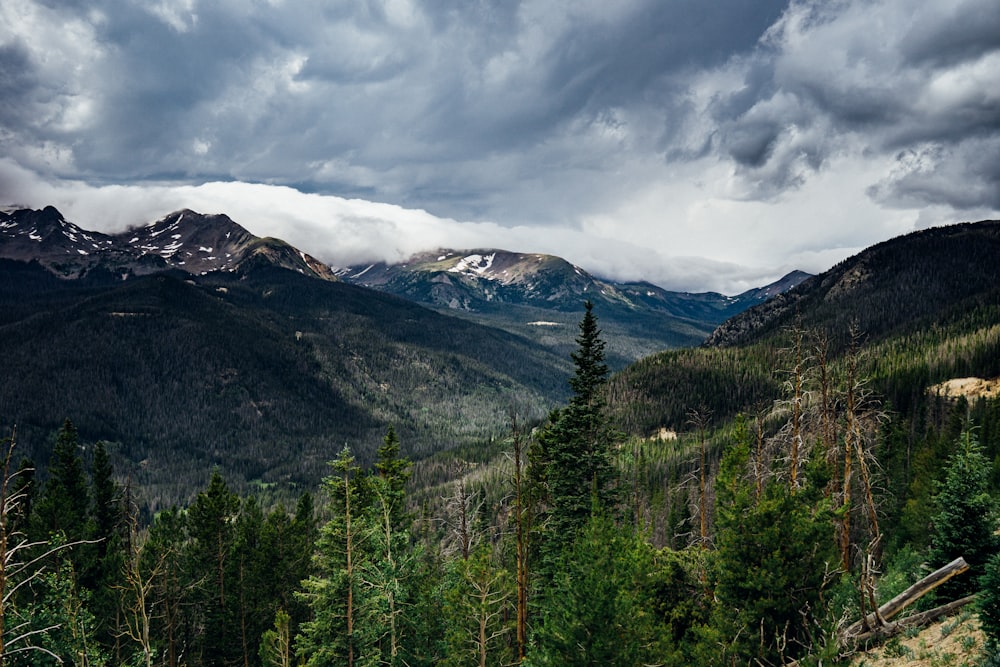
x: 894, y: 286
x: 540, y: 296
x: 190, y: 344
x: 924, y: 308
x: 185, y: 240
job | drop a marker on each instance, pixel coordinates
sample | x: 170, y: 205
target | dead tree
x: 20, y: 561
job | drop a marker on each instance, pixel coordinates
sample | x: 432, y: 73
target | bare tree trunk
x: 897, y: 604
x: 699, y: 420
x: 521, y: 536
x: 797, y: 398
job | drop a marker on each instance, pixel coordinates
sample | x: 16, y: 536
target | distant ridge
x: 924, y: 307
x: 515, y: 291
x: 186, y: 240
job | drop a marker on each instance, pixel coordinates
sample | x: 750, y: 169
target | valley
x: 493, y: 433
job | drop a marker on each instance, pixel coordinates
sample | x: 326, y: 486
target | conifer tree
x: 174, y: 580
x: 599, y: 610
x: 65, y: 502
x: 211, y: 525
x: 773, y: 553
x: 989, y: 603
x: 573, y: 450
x: 966, y: 521
x: 332, y: 637
x: 477, y: 597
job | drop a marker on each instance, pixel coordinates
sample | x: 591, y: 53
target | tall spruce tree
x: 599, y: 607
x: 65, y: 502
x: 333, y: 635
x: 211, y: 525
x: 573, y: 450
x: 966, y: 518
x: 773, y: 553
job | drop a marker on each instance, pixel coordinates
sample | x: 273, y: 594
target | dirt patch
x: 968, y: 387
x: 952, y: 642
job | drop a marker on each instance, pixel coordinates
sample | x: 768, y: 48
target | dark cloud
x: 18, y: 84
x: 628, y: 117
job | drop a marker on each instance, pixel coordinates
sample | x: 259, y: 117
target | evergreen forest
x: 774, y: 524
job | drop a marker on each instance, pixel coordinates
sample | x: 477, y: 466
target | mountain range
x: 190, y: 343
x: 184, y: 240
x: 538, y: 296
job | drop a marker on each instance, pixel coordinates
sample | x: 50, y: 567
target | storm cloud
x: 698, y: 145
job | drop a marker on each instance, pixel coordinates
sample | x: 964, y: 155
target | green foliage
x: 65, y: 503
x: 477, y: 596
x: 773, y: 555
x: 361, y: 591
x: 965, y: 521
x: 988, y: 604
x: 598, y: 609
x: 64, y: 624
x: 572, y: 456
x: 276, y: 643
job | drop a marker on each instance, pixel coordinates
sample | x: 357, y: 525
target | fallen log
x: 897, y: 604
x: 876, y: 625
x: 890, y: 630
x: 915, y: 621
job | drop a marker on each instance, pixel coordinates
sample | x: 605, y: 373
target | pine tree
x: 211, y: 525
x: 103, y: 569
x: 966, y: 519
x: 572, y: 457
x: 988, y: 603
x: 773, y: 553
x: 477, y: 596
x: 332, y: 636
x: 599, y: 609
x: 394, y: 471
x: 65, y: 502
x: 174, y: 583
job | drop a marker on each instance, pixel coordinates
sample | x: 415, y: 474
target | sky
x: 698, y: 144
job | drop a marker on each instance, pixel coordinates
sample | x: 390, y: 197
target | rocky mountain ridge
x: 480, y: 279
x: 185, y: 240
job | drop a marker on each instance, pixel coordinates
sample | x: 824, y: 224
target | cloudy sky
x: 699, y: 144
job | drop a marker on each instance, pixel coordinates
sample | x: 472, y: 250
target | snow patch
x: 363, y: 272
x: 543, y: 323
x: 477, y: 264
x: 169, y: 250
x: 204, y: 249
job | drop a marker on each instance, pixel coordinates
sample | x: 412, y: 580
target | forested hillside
x: 264, y: 373
x: 774, y: 501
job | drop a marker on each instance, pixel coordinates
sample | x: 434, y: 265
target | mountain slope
x: 264, y: 372
x: 927, y: 307
x: 889, y: 287
x: 541, y: 296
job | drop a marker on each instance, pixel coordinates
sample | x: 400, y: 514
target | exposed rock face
x: 185, y: 240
